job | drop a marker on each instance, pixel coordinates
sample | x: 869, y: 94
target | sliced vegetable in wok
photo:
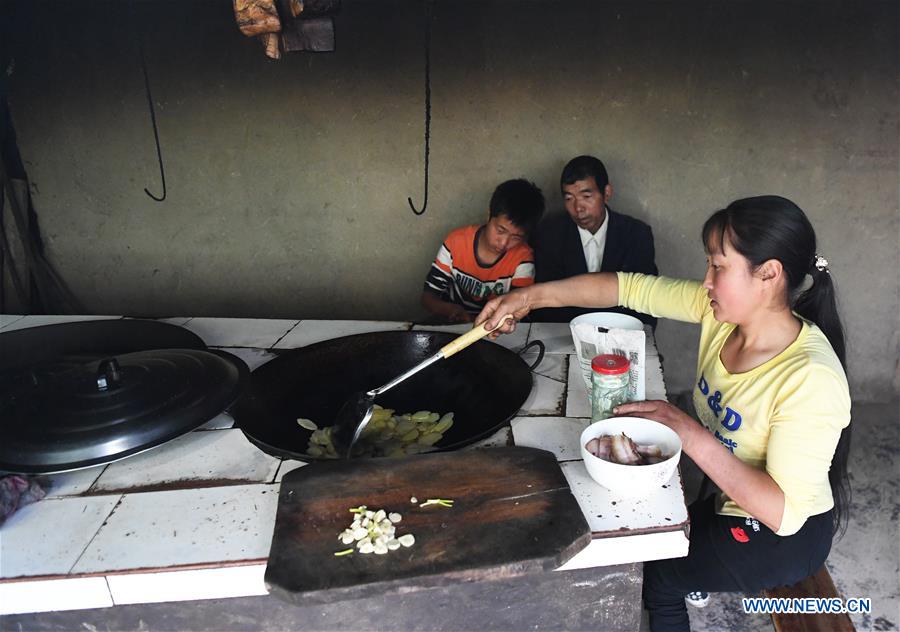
x: 387, y: 434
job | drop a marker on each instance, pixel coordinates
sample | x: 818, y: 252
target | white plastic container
x: 629, y: 481
x: 622, y: 335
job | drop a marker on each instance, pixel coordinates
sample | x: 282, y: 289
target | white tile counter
x: 10, y: 323
x: 240, y: 332
x: 224, y: 456
x: 183, y: 527
x: 193, y: 519
x: 308, y: 332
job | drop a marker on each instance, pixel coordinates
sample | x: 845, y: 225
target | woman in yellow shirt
x: 771, y: 394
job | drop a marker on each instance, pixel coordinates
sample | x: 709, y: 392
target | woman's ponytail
x: 818, y: 304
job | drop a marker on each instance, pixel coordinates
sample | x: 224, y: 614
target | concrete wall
x: 287, y: 181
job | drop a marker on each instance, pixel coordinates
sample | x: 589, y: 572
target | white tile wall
x: 222, y: 421
x: 311, y: 331
x: 557, y: 337
x: 40, y: 320
x: 185, y: 526
x: 186, y: 585
x: 499, y: 439
x: 630, y: 548
x: 288, y: 465
x: 253, y: 358
x: 607, y: 512
x: 9, y: 319
x: 176, y: 320
x: 546, y: 396
x: 217, y: 455
x: 578, y: 400
x: 240, y: 332
x: 47, y: 537
x: 71, y: 483
x: 655, y: 384
x: 554, y: 366
x: 75, y: 593
x: 559, y: 435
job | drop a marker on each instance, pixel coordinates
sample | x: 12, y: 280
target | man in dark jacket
x: 589, y: 237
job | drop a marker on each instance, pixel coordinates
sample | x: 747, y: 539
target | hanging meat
x: 288, y: 25
x: 255, y: 17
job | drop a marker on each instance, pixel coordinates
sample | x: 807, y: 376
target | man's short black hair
x: 521, y: 201
x: 582, y: 168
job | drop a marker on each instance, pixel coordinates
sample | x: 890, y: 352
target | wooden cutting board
x: 513, y: 514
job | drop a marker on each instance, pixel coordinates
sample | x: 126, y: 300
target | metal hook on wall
x: 428, y: 6
x: 162, y: 170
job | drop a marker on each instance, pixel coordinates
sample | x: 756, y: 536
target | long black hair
x: 772, y: 227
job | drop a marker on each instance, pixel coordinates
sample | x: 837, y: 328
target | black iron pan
x: 485, y: 386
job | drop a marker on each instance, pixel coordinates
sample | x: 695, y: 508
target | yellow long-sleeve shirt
x: 784, y: 417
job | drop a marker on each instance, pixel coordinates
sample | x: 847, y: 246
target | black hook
x: 427, y: 105
x: 162, y: 171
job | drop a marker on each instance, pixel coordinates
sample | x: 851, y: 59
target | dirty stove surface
x: 193, y: 519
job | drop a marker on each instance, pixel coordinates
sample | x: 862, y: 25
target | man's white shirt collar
x: 594, y: 244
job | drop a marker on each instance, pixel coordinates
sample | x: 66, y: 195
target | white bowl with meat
x: 630, y: 456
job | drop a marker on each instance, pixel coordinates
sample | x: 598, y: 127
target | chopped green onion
x: 443, y: 502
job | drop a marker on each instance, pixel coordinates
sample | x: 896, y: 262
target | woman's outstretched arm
x: 600, y: 290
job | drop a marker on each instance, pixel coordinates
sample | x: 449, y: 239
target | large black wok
x: 484, y: 385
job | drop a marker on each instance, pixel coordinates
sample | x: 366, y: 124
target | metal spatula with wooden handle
x: 354, y: 415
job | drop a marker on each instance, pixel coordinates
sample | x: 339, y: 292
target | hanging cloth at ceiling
x: 288, y: 25
x: 312, y: 29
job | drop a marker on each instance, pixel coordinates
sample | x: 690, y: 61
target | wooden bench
x: 817, y: 585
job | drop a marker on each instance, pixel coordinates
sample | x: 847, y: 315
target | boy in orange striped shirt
x: 476, y: 263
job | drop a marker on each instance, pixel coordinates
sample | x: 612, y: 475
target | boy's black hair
x: 582, y: 168
x: 519, y: 200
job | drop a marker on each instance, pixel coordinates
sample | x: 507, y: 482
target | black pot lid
x: 92, y: 339
x: 67, y: 413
